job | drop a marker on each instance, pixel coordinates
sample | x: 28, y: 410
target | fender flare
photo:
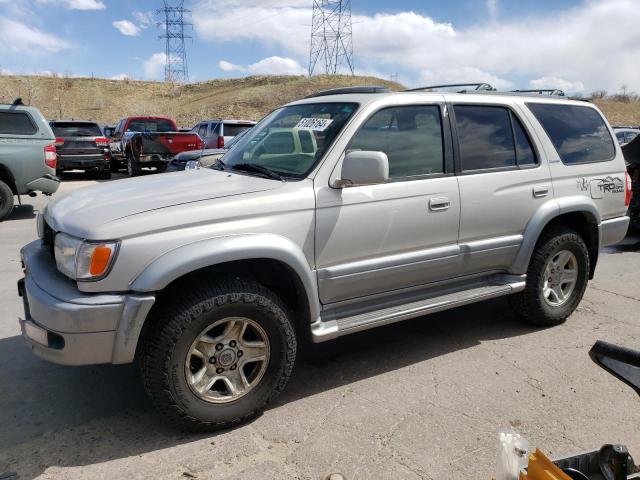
x: 543, y: 216
x: 214, y: 251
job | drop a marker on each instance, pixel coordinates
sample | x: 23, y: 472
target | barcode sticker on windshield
x: 317, y: 124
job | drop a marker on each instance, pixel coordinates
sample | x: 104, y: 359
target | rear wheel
x: 556, y: 279
x: 6, y: 200
x: 218, y: 355
x: 133, y: 166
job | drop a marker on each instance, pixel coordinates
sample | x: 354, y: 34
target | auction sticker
x: 317, y: 124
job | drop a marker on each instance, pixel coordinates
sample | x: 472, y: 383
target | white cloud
x: 20, y: 38
x: 153, y: 66
x: 448, y: 75
x: 555, y: 82
x: 127, y: 28
x: 144, y: 19
x: 277, y: 66
x: 570, y: 44
x: 120, y: 76
x: 230, y: 67
x: 77, y: 4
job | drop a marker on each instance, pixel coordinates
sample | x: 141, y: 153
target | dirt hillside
x: 105, y: 101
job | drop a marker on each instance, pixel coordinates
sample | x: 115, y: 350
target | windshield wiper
x: 252, y: 167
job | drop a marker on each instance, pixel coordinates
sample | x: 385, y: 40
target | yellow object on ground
x: 541, y: 468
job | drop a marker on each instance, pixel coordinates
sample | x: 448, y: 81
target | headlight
x: 80, y: 260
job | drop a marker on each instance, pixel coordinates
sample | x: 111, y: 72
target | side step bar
x: 330, y: 329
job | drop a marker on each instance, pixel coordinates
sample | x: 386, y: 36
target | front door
x: 380, y: 238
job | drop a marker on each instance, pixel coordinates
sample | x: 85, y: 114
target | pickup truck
x: 27, y: 155
x: 139, y: 142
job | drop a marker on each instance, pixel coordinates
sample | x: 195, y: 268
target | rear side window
x: 579, y: 134
x: 411, y: 137
x: 76, y: 129
x: 233, y: 129
x: 16, y: 123
x: 306, y: 143
x: 491, y: 137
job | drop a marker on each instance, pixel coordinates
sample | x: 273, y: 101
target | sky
x: 576, y: 45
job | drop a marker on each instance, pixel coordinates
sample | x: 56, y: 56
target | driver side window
x: 411, y: 136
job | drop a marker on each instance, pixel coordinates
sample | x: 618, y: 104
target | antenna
x: 175, y: 69
x: 331, y: 36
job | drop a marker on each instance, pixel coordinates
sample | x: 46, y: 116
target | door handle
x: 439, y: 203
x: 540, y: 191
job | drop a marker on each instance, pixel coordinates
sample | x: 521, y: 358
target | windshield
x: 291, y: 140
x: 76, y: 129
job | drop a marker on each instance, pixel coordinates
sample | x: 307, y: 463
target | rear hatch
x: 78, y: 139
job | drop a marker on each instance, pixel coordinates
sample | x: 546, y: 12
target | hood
x: 78, y: 212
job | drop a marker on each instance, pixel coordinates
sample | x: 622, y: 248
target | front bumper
x: 69, y: 327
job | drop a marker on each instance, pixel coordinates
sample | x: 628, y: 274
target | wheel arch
x: 579, y: 213
x: 7, y: 177
x: 271, y: 260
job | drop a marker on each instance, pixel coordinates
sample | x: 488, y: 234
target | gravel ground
x: 420, y: 399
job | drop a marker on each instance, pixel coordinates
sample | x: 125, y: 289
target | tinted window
x: 232, y: 129
x: 150, y: 125
x: 76, y: 129
x: 202, y: 131
x: 525, y: 155
x: 17, y: 123
x: 579, y: 134
x: 630, y: 136
x: 306, y: 142
x: 485, y: 137
x: 279, y: 143
x: 410, y: 136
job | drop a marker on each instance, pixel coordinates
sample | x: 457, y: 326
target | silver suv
x: 335, y: 214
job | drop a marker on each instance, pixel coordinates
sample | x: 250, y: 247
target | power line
x: 331, y: 36
x: 176, y: 68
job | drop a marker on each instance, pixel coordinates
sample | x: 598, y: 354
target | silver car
x: 335, y: 214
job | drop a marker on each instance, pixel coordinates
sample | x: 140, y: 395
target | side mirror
x: 622, y: 363
x: 363, y: 167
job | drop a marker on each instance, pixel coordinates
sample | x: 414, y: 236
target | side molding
x: 205, y: 253
x: 545, y: 214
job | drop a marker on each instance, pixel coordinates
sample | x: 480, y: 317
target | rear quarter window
x: 579, y: 134
x: 16, y: 123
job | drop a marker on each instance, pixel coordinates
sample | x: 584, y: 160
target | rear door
x: 502, y: 183
x: 381, y: 238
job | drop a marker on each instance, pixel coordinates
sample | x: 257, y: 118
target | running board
x: 329, y: 329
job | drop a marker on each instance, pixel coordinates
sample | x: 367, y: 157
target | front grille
x: 48, y: 238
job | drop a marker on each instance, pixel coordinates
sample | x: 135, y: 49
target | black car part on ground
x: 631, y: 153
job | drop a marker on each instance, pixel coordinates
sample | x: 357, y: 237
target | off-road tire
x: 6, y: 201
x: 104, y: 174
x: 133, y: 166
x: 530, y: 304
x: 181, y: 319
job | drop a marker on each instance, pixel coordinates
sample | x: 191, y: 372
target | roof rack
x: 476, y: 86
x: 357, y: 89
x: 544, y: 91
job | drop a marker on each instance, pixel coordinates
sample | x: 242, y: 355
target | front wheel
x: 556, y: 279
x: 217, y: 356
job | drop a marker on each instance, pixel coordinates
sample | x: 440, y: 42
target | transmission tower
x: 175, y: 69
x: 331, y: 36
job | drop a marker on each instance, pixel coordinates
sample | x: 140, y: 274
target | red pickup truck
x: 139, y: 142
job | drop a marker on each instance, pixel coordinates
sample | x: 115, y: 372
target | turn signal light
x: 100, y: 260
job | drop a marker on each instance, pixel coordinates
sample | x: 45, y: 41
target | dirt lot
x: 421, y: 399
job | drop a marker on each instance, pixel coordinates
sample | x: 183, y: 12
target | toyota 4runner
x: 389, y: 206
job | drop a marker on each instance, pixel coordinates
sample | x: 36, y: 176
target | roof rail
x: 544, y: 91
x: 476, y: 86
x: 357, y: 89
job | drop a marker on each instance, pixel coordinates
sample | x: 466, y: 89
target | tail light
x: 59, y: 142
x: 50, y: 156
x: 101, y: 142
x: 199, y: 144
x: 627, y: 191
x: 220, y: 141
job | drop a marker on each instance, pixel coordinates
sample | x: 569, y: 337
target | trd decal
x: 600, y: 187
